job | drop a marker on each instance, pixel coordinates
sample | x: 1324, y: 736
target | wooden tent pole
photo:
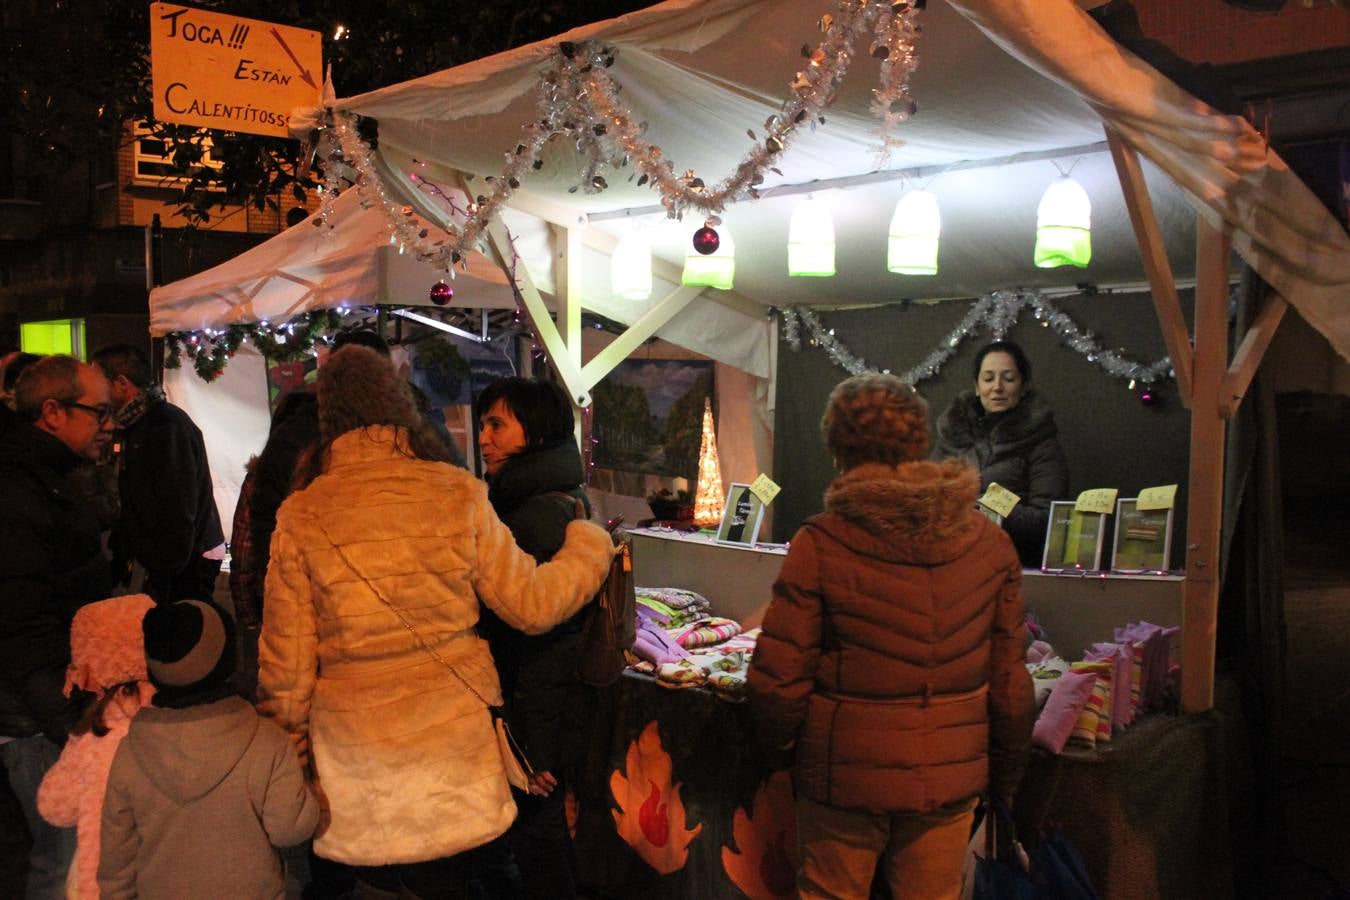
x: 1200, y: 590
x: 1156, y: 266
x: 567, y: 262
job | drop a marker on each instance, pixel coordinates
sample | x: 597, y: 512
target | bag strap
x: 403, y: 619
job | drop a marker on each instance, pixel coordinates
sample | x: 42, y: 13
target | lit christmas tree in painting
x: 709, y: 498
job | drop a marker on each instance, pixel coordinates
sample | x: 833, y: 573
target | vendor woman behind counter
x: 1009, y: 431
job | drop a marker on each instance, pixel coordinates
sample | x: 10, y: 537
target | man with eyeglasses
x: 169, y: 524
x: 51, y: 564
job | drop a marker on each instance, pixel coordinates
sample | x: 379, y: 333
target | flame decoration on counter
x: 765, y: 868
x: 650, y: 816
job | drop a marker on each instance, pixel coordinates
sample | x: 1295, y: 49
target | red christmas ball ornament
x: 1148, y: 396
x: 441, y: 293
x: 707, y: 240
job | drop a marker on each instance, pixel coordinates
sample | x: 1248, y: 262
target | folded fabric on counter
x: 675, y: 598
x: 670, y: 616
x: 705, y: 632
x: 722, y: 667
x: 655, y: 645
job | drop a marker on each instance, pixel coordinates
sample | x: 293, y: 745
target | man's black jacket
x: 51, y: 564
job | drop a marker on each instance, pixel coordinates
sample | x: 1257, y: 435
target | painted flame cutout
x: 766, y: 866
x: 650, y: 815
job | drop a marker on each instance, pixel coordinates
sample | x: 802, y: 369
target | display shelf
x: 1079, y: 609
x: 738, y: 580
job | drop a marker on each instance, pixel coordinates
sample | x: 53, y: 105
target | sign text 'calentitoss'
x: 218, y: 71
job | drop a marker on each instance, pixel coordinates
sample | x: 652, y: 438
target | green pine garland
x: 210, y: 350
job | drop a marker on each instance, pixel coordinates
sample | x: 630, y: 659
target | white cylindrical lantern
x: 1064, y: 225
x: 912, y: 245
x: 716, y: 269
x: 811, y: 240
x: 630, y: 268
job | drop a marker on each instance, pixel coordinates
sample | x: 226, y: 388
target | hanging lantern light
x: 716, y: 268
x: 811, y: 240
x: 912, y: 246
x: 630, y: 268
x: 1064, y: 225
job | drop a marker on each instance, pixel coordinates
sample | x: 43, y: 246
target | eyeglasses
x: 102, y: 413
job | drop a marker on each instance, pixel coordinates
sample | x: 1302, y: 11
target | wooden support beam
x: 544, y: 329
x: 1248, y: 356
x: 567, y: 267
x: 1156, y: 266
x: 1204, y: 516
x: 633, y: 337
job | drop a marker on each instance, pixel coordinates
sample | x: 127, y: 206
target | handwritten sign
x: 1097, y: 500
x: 999, y: 499
x: 1161, y: 497
x: 226, y: 72
x: 764, y: 488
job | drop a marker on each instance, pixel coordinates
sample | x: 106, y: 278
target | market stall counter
x: 675, y: 802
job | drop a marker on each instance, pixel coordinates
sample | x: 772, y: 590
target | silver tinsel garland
x: 996, y: 313
x: 578, y: 100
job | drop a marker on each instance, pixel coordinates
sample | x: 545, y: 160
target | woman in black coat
x: 534, y: 474
x: 1009, y: 431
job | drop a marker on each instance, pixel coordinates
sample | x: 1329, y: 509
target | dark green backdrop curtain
x: 1111, y: 439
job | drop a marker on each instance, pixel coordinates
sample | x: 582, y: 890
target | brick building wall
x: 1211, y: 31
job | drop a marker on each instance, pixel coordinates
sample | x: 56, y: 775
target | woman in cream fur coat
x: 381, y: 558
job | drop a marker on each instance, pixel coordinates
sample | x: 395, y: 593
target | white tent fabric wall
x: 1007, y: 89
x: 306, y: 268
x: 232, y: 413
x: 998, y: 79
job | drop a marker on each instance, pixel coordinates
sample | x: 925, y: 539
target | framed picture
x: 1073, y: 540
x: 1143, y: 538
x: 649, y: 416
x: 741, y: 517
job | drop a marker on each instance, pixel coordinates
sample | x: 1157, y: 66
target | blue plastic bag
x: 1055, y: 870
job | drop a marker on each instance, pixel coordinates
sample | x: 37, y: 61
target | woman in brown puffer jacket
x: 890, y: 673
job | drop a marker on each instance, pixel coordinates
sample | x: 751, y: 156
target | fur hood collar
x: 916, y: 512
x: 964, y: 422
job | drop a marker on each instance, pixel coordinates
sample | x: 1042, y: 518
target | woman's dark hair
x: 94, y: 718
x: 542, y: 408
x: 359, y: 388
x: 1019, y: 358
x: 293, y: 404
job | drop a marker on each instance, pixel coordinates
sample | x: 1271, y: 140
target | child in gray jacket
x: 202, y: 791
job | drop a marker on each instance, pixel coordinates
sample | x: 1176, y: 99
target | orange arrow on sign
x: 304, y: 73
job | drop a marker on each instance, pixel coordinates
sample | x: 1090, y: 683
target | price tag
x: 1161, y: 497
x: 764, y: 488
x: 1097, y: 500
x: 999, y: 499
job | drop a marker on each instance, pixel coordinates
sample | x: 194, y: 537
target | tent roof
x: 1007, y: 90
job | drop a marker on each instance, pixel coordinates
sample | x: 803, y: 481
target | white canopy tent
x: 1007, y: 90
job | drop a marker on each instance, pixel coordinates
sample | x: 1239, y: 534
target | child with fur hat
x: 107, y: 659
x: 202, y: 792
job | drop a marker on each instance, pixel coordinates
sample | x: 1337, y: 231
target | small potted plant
x: 669, y: 505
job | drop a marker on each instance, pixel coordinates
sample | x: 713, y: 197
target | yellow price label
x: 764, y: 488
x: 1097, y: 500
x: 999, y: 499
x: 1161, y: 497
